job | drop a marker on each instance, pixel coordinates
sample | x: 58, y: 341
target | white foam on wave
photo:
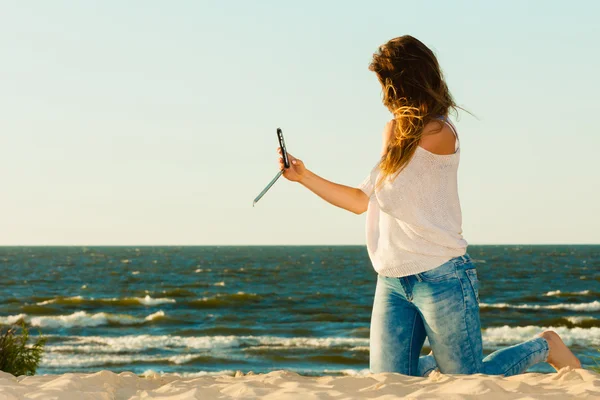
x: 80, y: 360
x: 140, y: 343
x: 80, y: 319
x: 558, y: 293
x: 584, y: 337
x: 348, y: 371
x: 593, y: 306
x: 12, y: 319
x: 154, y: 316
x: 137, y: 343
x: 147, y: 300
x: 359, y: 348
x: 88, y: 351
x: 67, y: 360
x: 579, y: 319
x: 154, y: 374
x: 553, y: 293
x: 309, y: 342
x: 74, y: 298
x: 182, y: 358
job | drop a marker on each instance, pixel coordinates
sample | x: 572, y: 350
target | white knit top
x: 414, y: 221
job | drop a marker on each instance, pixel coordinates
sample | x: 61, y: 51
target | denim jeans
x: 442, y: 305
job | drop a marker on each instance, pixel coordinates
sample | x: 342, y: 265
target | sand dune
x: 286, y: 385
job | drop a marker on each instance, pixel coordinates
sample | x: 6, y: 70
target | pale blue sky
x: 153, y: 122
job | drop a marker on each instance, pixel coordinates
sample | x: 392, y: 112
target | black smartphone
x: 286, y: 161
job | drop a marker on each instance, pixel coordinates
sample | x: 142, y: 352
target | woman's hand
x: 388, y: 133
x: 296, y: 172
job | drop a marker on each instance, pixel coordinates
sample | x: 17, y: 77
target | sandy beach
x: 283, y: 385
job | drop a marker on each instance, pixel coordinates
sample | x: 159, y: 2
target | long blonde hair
x: 414, y: 91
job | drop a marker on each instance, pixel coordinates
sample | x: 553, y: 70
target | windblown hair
x: 415, y: 93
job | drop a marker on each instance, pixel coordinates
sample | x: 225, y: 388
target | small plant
x: 16, y: 356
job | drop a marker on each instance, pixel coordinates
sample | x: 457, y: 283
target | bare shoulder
x: 438, y: 138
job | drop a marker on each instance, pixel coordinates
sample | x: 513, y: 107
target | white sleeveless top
x: 414, y: 222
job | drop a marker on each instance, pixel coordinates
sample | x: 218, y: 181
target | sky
x: 153, y: 122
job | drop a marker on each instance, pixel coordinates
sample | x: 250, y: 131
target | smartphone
x: 286, y: 161
x: 286, y: 164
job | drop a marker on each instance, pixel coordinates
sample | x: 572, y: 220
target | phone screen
x: 286, y: 161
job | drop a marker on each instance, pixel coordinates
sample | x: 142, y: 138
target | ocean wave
x: 12, y: 319
x: 495, y: 336
x: 178, y: 292
x: 514, y: 334
x: 94, y: 351
x: 347, y: 372
x: 225, y: 299
x: 492, y: 337
x: 62, y: 360
x: 154, y: 374
x: 127, y: 301
x: 182, y: 358
x: 34, y: 309
x: 81, y: 319
x: 61, y: 300
x: 138, y: 343
x: 82, y: 360
x: 576, y: 320
x: 593, y: 306
x: 571, y: 321
x: 149, y: 301
x: 564, y: 294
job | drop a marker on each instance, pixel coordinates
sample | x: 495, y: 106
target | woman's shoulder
x: 438, y: 138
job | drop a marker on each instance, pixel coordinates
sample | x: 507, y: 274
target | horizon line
x: 273, y: 245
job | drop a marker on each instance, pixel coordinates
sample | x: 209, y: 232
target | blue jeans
x: 442, y: 305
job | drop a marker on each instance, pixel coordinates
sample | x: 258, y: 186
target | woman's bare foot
x: 559, y: 355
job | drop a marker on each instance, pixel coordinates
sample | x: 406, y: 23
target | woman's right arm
x: 346, y: 197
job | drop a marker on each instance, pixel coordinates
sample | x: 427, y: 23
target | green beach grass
x: 17, y: 357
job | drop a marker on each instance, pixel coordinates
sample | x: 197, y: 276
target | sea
x: 221, y: 309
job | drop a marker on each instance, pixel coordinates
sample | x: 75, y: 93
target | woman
x: 427, y: 285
